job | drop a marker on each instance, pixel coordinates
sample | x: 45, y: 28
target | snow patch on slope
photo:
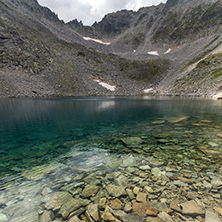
x: 217, y: 96
x: 168, y: 51
x: 106, y: 85
x: 147, y: 90
x: 155, y: 53
x: 96, y: 40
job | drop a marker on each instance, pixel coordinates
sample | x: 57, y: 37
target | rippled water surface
x: 41, y: 136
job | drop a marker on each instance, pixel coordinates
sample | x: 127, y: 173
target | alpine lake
x: 110, y: 159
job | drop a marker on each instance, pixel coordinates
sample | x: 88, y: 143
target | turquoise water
x: 35, y: 131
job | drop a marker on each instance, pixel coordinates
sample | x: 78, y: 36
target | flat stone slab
x: 191, y: 208
x: 218, y: 210
x: 212, y: 217
x: 140, y: 208
x: 90, y: 190
x: 132, y: 141
x: 116, y: 191
x: 165, y: 217
x: 72, y: 205
x: 176, y: 119
x: 3, y: 218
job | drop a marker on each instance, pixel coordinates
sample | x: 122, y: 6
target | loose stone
x: 116, y: 204
x: 74, y: 219
x: 128, y: 208
x: 140, y: 208
x: 102, y: 201
x: 156, y: 172
x: 216, y: 183
x: 185, y: 180
x: 54, y: 201
x: 121, y: 180
x: 107, y: 216
x: 116, y: 191
x: 73, y: 205
x: 175, y: 205
x: 152, y: 211
x: 130, y: 194
x: 90, y: 190
x: 136, y: 190
x: 146, y: 167
x: 165, y: 217
x: 141, y: 197
x: 120, y: 215
x: 94, y: 212
x: 47, y: 216
x: 149, y: 189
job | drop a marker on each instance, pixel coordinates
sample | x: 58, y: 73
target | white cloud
x: 89, y: 11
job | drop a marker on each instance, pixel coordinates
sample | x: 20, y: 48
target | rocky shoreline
x: 146, y: 192
x: 127, y: 188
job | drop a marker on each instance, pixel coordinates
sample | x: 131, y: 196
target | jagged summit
x: 175, y: 22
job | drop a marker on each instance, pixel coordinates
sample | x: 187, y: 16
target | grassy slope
x: 206, y: 77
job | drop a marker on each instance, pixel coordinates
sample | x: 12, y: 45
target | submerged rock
x: 3, y: 218
x: 38, y: 172
x: 116, y: 191
x: 93, y: 211
x: 165, y: 217
x: 121, y: 180
x: 145, y: 167
x: 175, y: 205
x: 157, y: 122
x: 212, y: 217
x: 72, y: 205
x: 191, y: 208
x: 132, y: 141
x: 161, y: 135
x: 90, y: 190
x: 116, y: 204
x: 107, y: 216
x: 141, y: 197
x: 151, y: 211
x: 74, y: 219
x: 54, y: 201
x: 140, y: 208
x: 218, y: 210
x: 47, y: 216
x: 176, y: 119
x: 156, y: 172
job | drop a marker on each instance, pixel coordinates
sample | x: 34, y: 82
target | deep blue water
x: 33, y: 131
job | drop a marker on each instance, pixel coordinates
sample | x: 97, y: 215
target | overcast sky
x: 89, y: 11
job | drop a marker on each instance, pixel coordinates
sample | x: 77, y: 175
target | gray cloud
x: 89, y: 11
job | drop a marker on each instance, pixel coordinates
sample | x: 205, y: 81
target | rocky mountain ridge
x: 172, y: 48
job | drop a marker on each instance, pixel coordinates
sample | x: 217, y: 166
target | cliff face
x: 174, y: 22
x: 173, y: 48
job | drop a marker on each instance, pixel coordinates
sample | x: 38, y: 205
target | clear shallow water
x: 62, y: 145
x: 35, y: 131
